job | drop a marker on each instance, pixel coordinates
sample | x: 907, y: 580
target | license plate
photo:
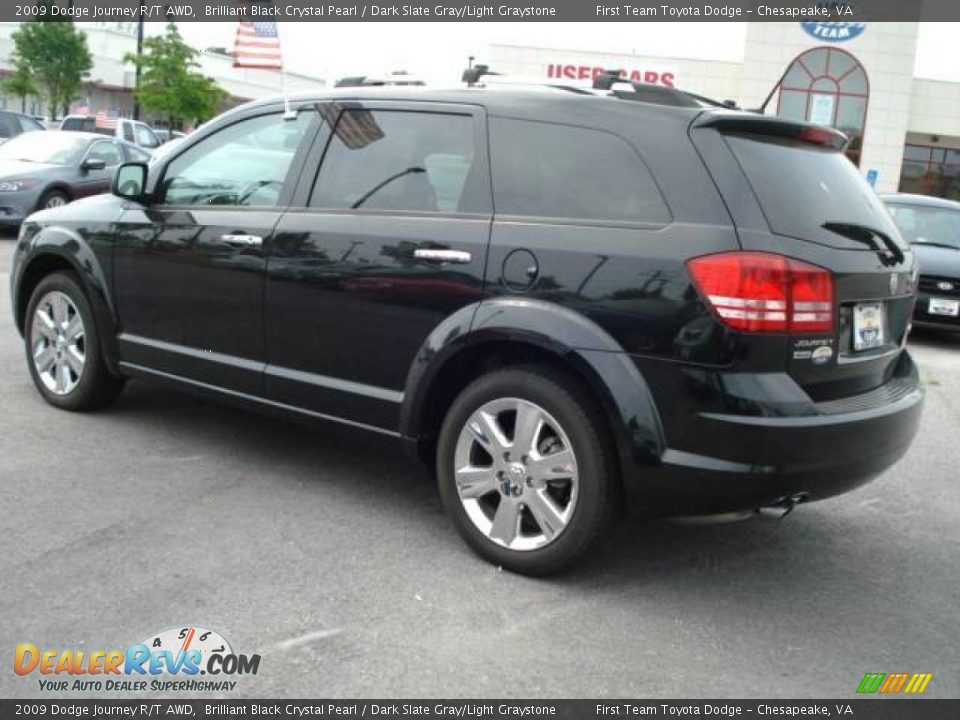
x: 939, y: 306
x: 867, y: 326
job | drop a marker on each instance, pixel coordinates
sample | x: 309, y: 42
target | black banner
x: 876, y: 709
x: 480, y: 11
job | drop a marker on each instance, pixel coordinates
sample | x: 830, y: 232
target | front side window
x: 106, y: 151
x: 128, y: 133
x: 546, y: 170
x: 243, y: 164
x: 399, y: 160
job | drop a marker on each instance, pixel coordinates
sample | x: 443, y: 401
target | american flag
x: 81, y: 107
x: 257, y: 45
x: 106, y: 119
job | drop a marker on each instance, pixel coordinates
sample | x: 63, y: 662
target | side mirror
x: 130, y: 182
x: 91, y: 164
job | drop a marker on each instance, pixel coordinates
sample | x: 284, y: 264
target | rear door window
x: 566, y: 172
x: 805, y: 190
x: 402, y: 160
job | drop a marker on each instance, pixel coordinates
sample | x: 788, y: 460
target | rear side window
x: 128, y: 133
x: 802, y: 188
x: 574, y: 173
x: 400, y: 160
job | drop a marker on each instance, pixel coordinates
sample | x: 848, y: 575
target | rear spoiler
x: 752, y: 124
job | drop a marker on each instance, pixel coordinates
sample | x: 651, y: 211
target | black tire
x: 95, y: 387
x: 52, y: 198
x: 575, y: 408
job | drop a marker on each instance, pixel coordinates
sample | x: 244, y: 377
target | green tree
x: 55, y: 57
x: 170, y: 86
x: 20, y: 84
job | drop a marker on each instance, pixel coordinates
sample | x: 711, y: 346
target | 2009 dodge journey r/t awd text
x: 563, y: 302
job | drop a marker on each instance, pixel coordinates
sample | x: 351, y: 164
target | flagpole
x: 288, y: 114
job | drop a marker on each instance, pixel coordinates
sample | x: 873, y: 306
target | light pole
x: 136, y: 75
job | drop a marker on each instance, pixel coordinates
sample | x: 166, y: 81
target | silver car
x: 46, y: 169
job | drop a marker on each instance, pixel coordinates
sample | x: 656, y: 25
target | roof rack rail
x: 659, y: 94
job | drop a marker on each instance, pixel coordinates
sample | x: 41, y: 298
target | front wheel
x: 526, y: 469
x: 62, y: 346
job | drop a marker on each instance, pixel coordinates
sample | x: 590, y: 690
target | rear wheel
x: 526, y: 469
x: 62, y: 346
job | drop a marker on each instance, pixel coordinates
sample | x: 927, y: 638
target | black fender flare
x: 571, y: 337
x: 70, y: 247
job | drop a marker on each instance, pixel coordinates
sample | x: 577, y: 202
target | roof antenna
x: 763, y: 107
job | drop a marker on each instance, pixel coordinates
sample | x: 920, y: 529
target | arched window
x: 827, y: 86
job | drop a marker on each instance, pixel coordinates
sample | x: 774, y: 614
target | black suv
x: 563, y: 302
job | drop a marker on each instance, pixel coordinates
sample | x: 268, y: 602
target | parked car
x: 563, y: 303
x: 932, y: 226
x: 131, y: 131
x: 48, y: 169
x: 12, y: 124
x: 165, y: 135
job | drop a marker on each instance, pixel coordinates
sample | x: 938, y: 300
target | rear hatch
x: 793, y: 192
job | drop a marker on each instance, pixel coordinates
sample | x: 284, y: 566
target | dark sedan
x: 46, y: 169
x: 932, y: 226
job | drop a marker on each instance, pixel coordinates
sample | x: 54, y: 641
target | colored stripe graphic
x: 893, y: 683
x: 871, y: 682
x: 918, y: 683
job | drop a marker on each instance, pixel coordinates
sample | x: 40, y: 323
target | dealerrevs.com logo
x: 182, y: 653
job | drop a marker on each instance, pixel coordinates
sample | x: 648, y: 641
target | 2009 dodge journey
x: 564, y: 302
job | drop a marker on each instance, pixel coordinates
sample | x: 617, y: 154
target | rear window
x: 547, y: 170
x: 802, y: 188
x: 81, y: 124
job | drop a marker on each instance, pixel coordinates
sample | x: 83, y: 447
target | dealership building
x: 110, y: 85
x: 858, y: 77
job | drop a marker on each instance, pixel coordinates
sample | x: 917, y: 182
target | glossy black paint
x: 334, y: 318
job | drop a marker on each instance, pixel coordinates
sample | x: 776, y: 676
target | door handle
x: 242, y: 240
x: 450, y: 256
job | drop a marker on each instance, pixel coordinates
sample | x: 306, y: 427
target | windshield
x: 922, y: 225
x: 57, y: 148
x: 807, y: 192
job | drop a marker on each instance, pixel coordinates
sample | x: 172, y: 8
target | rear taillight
x: 763, y: 292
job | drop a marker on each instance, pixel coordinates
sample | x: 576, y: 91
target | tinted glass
x: 243, y: 164
x: 560, y: 171
x: 800, y: 187
x: 106, y: 151
x: 128, y: 133
x: 394, y: 160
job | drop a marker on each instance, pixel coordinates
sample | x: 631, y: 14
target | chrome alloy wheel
x: 58, y: 343
x: 516, y: 474
x: 55, y: 200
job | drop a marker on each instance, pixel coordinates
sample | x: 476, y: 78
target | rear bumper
x: 760, y: 460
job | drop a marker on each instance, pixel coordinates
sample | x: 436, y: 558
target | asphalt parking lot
x: 327, y: 553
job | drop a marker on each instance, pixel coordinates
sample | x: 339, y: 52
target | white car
x: 132, y: 131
